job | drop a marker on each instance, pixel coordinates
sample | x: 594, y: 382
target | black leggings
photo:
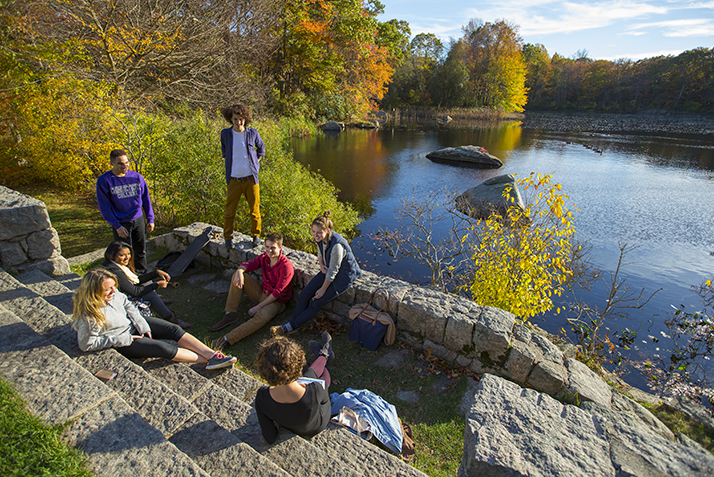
x: 153, y: 347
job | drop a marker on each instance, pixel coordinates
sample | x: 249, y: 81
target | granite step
x: 226, y: 397
x: 168, y: 412
x: 116, y: 439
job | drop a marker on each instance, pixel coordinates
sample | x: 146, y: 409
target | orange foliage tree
x: 334, y: 58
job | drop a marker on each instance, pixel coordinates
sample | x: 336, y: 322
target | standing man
x: 242, y: 148
x: 269, y: 297
x: 121, y: 195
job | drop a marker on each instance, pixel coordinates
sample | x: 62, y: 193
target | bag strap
x: 384, y: 293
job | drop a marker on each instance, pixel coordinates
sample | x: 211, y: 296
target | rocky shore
x: 650, y: 123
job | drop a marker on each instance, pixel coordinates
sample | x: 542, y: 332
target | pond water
x: 652, y: 190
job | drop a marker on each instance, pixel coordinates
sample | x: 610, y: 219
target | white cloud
x: 680, y: 28
x: 642, y: 56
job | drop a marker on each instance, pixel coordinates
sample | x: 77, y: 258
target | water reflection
x: 653, y: 191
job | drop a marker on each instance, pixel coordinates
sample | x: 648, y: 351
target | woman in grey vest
x: 338, y: 271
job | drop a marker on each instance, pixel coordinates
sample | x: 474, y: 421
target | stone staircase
x: 156, y: 417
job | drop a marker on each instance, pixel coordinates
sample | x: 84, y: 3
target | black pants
x: 153, y: 347
x: 137, y: 240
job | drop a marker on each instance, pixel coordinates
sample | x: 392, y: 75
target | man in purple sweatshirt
x: 121, y: 195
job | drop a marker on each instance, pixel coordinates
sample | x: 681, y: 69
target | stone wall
x: 27, y: 239
x: 481, y: 338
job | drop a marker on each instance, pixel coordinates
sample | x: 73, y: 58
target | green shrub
x: 186, y: 176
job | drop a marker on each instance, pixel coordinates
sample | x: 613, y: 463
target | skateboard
x: 181, y: 263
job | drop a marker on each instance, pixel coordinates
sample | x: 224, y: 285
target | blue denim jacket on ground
x: 381, y: 416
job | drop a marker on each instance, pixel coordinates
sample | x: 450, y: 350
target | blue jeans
x: 307, y: 307
x: 157, y: 304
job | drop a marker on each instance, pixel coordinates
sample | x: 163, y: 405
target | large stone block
x: 119, y: 443
x: 587, y: 385
x: 459, y: 333
x: 549, y: 350
x: 521, y: 359
x: 519, y: 432
x: 43, y: 244
x: 424, y: 312
x: 160, y: 406
x: 492, y: 334
x: 638, y: 447
x: 20, y: 214
x: 548, y: 377
x: 12, y: 254
x: 55, y: 267
x: 54, y: 387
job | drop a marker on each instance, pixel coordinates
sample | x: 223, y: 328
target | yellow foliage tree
x: 524, y: 258
x: 62, y: 134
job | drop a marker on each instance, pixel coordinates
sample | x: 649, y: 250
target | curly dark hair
x: 280, y: 361
x: 241, y: 110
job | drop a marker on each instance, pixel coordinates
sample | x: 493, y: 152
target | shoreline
x: 647, y: 123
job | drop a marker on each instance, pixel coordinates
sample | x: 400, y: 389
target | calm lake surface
x: 652, y: 190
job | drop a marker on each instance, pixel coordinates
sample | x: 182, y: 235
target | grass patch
x: 678, y: 422
x: 435, y: 419
x: 75, y: 216
x: 30, y: 447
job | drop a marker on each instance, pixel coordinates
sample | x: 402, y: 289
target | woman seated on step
x: 105, y: 318
x: 119, y: 259
x: 300, y: 405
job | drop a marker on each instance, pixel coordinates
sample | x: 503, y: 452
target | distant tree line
x: 490, y: 66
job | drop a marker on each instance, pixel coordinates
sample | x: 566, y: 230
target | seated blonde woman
x: 104, y: 318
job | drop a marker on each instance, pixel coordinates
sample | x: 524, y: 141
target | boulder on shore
x: 486, y: 198
x: 333, y: 126
x: 473, y: 155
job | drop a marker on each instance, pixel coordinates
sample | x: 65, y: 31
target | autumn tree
x: 188, y: 50
x: 449, y: 86
x: 334, y: 57
x: 410, y: 84
x: 495, y: 63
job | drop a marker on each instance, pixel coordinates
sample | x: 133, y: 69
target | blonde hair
x: 89, y: 298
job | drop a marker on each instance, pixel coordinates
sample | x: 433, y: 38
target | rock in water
x: 473, y: 155
x: 486, y: 198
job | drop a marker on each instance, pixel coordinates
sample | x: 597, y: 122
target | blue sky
x: 607, y: 30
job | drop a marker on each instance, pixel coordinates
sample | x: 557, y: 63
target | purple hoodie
x: 121, y: 199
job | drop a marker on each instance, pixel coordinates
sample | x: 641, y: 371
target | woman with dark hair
x: 338, y: 271
x: 119, y: 259
x: 298, y: 404
x: 104, y: 318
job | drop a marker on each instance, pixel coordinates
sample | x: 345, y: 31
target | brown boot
x: 172, y: 318
x: 228, y: 319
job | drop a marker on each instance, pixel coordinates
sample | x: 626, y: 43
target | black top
x: 307, y: 417
x: 126, y: 286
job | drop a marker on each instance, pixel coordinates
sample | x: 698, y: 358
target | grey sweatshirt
x: 336, y: 256
x: 121, y: 315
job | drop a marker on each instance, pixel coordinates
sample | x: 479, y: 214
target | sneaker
x: 256, y: 241
x: 219, y: 360
x: 326, y: 349
x: 227, y: 319
x: 219, y: 344
x: 229, y: 245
